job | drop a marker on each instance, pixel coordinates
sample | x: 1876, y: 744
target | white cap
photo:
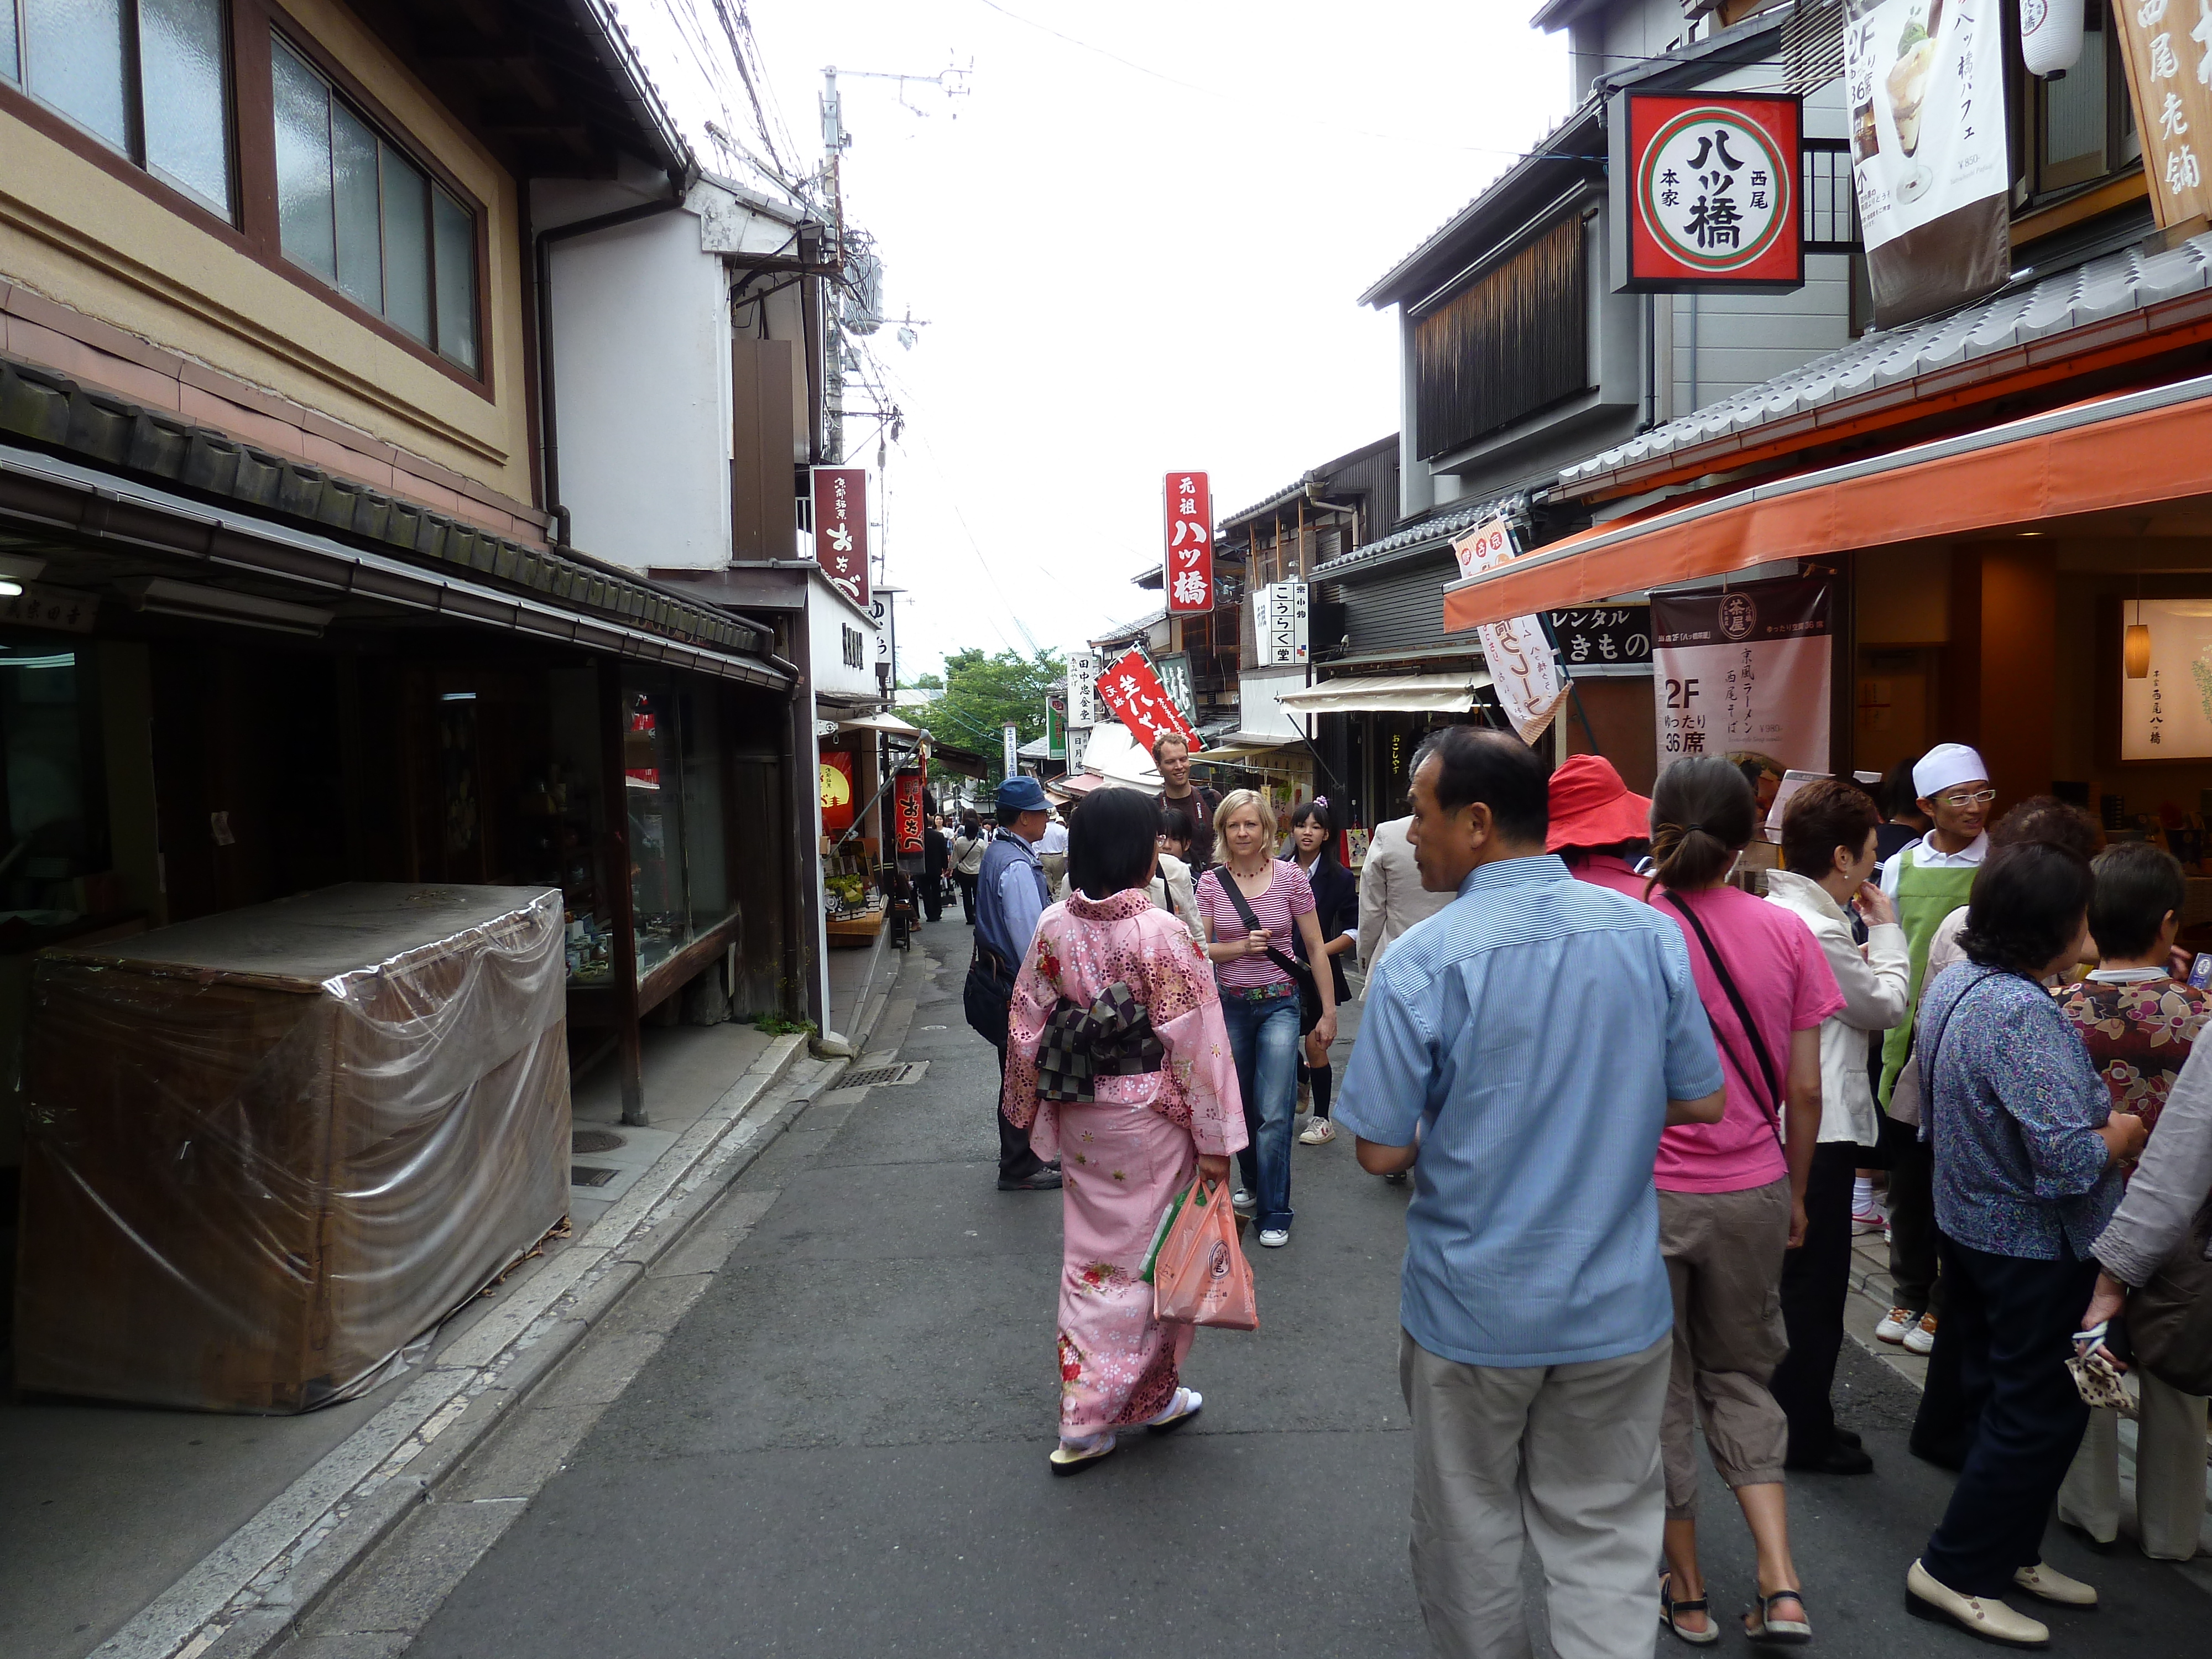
x: 1946, y: 765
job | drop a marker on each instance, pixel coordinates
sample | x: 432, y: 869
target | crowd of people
x: 1643, y: 1110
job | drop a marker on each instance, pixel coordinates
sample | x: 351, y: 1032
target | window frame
x: 17, y: 99
x: 2032, y: 191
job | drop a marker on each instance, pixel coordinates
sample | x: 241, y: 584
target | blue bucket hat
x: 1023, y: 795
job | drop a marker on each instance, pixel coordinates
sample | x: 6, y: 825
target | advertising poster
x: 1745, y: 672
x: 1923, y: 81
x: 1524, y: 670
x: 1190, y: 566
x: 2167, y: 713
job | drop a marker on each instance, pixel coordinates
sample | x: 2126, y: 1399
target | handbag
x: 1199, y: 1271
x: 1743, y: 1017
x: 1301, y: 973
x: 2170, y: 1318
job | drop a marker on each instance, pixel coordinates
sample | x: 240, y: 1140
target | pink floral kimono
x: 1125, y: 1153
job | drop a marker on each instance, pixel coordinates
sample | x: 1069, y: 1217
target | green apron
x: 1924, y: 897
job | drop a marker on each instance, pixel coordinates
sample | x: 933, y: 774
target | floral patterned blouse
x: 1082, y: 946
x: 2138, y: 1036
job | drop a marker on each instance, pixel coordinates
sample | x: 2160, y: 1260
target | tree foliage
x: 982, y: 692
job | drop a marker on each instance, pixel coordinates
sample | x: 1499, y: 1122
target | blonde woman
x: 1254, y: 904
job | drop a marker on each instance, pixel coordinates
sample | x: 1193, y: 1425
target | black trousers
x: 967, y: 896
x: 2013, y: 1322
x: 1016, y: 1161
x: 1913, y: 1239
x: 933, y: 895
x: 1815, y: 1283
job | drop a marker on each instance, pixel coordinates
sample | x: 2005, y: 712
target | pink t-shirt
x: 1785, y: 979
x: 1603, y: 869
x: 1289, y: 896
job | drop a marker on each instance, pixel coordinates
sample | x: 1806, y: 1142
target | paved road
x: 840, y: 1448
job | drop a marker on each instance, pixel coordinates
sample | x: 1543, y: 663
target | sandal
x: 1185, y: 1405
x: 1669, y: 1607
x: 1760, y: 1625
x: 1074, y: 1456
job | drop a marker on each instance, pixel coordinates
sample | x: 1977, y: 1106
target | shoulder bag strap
x: 1298, y: 971
x: 1935, y: 1043
x: 1743, y: 1017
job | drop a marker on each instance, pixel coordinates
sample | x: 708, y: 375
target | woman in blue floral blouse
x: 2027, y: 1149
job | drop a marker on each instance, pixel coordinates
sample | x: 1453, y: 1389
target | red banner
x: 1189, y: 567
x: 836, y: 791
x: 1133, y: 691
x: 906, y: 798
x: 841, y: 529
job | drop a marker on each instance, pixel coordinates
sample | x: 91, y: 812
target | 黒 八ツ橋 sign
x: 1706, y: 192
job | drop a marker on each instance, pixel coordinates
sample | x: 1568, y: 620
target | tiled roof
x: 1127, y: 631
x: 1434, y: 530
x: 2014, y: 317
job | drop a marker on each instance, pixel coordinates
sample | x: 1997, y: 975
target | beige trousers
x: 1724, y: 1255
x: 1563, y: 1456
x: 2169, y: 1473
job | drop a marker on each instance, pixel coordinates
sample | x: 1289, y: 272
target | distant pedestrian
x: 1052, y: 850
x: 1010, y: 898
x: 2027, y: 1150
x: 935, y: 857
x: 1175, y: 888
x: 1521, y: 1053
x: 1252, y: 904
x: 1336, y: 912
x: 1391, y: 897
x: 1117, y: 1062
x: 967, y: 854
x: 1732, y: 1193
x: 1599, y: 828
x: 1171, y: 757
x: 1828, y: 847
x: 1905, y: 822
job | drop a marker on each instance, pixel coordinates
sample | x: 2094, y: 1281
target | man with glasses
x: 1929, y: 879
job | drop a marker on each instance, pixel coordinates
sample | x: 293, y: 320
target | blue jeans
x: 1263, y: 1038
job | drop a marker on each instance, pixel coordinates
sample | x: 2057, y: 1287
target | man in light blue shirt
x: 1520, y: 1052
x: 1010, y: 896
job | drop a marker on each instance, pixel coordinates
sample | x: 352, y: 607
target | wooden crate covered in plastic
x: 268, y: 1150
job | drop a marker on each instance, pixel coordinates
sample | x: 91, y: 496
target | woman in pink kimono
x: 1118, y: 1064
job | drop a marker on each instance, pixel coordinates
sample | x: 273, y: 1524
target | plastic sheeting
x: 269, y: 1149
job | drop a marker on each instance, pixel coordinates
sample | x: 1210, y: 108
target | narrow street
x: 840, y: 1445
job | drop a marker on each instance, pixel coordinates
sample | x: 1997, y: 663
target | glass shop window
x: 672, y: 787
x: 148, y: 77
x: 53, y: 794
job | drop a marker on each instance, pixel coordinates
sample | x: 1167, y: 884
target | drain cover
x: 595, y: 1140
x: 886, y: 1076
x: 590, y: 1174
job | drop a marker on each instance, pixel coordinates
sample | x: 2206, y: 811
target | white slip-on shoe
x: 2046, y: 1583
x: 1921, y: 1338
x: 1274, y: 1238
x: 1983, y: 1616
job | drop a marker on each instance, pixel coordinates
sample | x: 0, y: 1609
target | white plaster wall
x: 641, y: 366
x: 829, y: 614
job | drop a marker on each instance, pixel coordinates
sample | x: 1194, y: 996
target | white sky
x: 1121, y: 274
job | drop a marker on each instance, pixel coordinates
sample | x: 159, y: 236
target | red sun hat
x: 1592, y: 807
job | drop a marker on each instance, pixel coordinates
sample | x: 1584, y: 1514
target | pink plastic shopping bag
x: 1201, y: 1274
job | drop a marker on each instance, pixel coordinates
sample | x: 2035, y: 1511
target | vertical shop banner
x: 1189, y: 531
x: 1524, y: 670
x: 1010, y: 742
x: 1706, y: 189
x: 1083, y: 710
x: 2165, y: 46
x: 906, y: 813
x: 1133, y: 691
x: 1174, y: 670
x: 841, y: 529
x: 1745, y: 672
x: 1924, y: 83
x: 1282, y: 620
x: 836, y: 791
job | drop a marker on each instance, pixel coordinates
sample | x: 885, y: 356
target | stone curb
x: 248, y: 1596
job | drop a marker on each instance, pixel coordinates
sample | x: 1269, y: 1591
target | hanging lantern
x: 2138, y: 651
x: 2050, y: 35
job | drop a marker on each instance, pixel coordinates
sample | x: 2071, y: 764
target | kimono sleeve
x: 1036, y: 995
x: 1186, y: 1010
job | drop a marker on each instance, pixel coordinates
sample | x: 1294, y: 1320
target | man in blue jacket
x: 1010, y: 896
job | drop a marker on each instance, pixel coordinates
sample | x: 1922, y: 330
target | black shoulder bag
x: 1301, y: 973
x: 1743, y: 1017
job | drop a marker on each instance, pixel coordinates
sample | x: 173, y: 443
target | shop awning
x: 2133, y: 449
x: 1408, y: 694
x: 889, y: 724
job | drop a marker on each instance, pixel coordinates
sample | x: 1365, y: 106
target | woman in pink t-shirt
x: 1731, y: 1194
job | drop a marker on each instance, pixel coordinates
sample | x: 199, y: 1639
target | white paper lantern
x: 2049, y: 34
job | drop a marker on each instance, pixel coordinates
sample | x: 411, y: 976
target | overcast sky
x: 1138, y: 253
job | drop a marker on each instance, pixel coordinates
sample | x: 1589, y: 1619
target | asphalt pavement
x: 838, y: 1445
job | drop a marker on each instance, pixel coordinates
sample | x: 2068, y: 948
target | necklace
x: 1252, y: 874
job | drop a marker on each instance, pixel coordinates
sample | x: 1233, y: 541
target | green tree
x: 982, y: 692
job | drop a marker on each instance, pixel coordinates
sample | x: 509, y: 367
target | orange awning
x: 2132, y: 450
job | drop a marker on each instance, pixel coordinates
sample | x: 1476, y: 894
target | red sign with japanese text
x: 1712, y: 184
x: 1189, y: 567
x: 906, y: 796
x: 1133, y: 691
x: 841, y: 529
